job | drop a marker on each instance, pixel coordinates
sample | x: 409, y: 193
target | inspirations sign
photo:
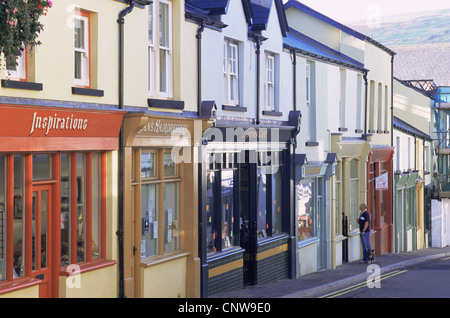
x: 55, y: 122
x: 26, y: 128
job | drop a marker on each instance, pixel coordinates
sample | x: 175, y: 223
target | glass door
x: 42, y: 238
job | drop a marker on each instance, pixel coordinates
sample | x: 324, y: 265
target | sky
x: 372, y: 11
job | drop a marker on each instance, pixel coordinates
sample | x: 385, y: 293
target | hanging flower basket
x: 20, y: 26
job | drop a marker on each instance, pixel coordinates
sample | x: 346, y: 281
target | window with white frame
x: 160, y: 49
x: 16, y: 67
x: 270, y: 82
x: 231, y: 72
x: 82, y: 59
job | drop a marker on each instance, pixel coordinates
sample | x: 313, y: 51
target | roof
x: 423, y: 61
x: 261, y: 10
x: 213, y: 7
x: 305, y: 45
x: 409, y: 129
x: 300, y: 6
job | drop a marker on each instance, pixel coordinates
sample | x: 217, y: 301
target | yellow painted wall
x: 98, y: 283
x: 164, y: 280
x: 30, y: 292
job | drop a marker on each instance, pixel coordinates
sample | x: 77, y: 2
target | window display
x: 159, y: 188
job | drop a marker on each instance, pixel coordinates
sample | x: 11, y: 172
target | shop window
x: 2, y: 219
x: 354, y: 194
x: 306, y: 210
x: 269, y: 189
x: 83, y: 209
x: 338, y: 198
x: 158, y: 186
x: 221, y: 210
x: 160, y: 49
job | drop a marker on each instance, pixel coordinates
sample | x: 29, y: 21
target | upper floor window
x: 231, y: 72
x: 270, y: 82
x: 16, y: 68
x: 82, y: 49
x: 160, y: 49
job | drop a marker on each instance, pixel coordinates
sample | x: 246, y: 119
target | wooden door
x: 42, y: 238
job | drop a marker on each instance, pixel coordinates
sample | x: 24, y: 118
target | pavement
x: 345, y: 275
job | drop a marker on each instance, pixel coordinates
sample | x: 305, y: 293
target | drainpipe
x: 294, y: 80
x: 120, y: 231
x: 258, y: 72
x: 365, y: 101
x: 200, y: 30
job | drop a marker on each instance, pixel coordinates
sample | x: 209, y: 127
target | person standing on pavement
x: 364, y: 229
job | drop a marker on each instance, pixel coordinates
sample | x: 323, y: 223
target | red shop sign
x: 25, y: 128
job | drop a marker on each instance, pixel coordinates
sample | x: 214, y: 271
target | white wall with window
x: 160, y: 57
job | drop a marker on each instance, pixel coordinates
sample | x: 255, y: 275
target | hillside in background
x: 429, y: 27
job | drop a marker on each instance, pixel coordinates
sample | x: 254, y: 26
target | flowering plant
x: 20, y: 26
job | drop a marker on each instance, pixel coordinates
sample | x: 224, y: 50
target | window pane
x: 65, y: 209
x: 171, y: 217
x: 2, y: 219
x: 211, y: 195
x: 170, y: 167
x: 19, y: 215
x: 42, y: 167
x: 164, y: 24
x: 96, y: 205
x: 149, y: 216
x: 150, y: 23
x: 43, y: 230
x: 227, y: 209
x: 79, y: 34
x: 148, y: 163
x: 78, y: 65
x: 163, y: 64
x: 305, y: 205
x: 81, y: 206
x: 261, y: 203
x: 276, y: 202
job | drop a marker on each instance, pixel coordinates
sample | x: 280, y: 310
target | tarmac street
x: 412, y: 274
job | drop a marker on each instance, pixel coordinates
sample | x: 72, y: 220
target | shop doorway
x: 42, y: 238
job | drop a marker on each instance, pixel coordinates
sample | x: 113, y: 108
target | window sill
x: 311, y: 144
x: 87, y: 91
x: 358, y: 131
x: 234, y: 108
x: 160, y: 259
x: 342, y: 129
x: 87, y: 267
x: 165, y: 103
x: 18, y: 284
x: 31, y: 86
x: 272, y: 113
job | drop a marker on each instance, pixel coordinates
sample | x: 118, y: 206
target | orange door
x: 42, y: 238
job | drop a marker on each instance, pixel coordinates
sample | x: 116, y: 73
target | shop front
x: 349, y: 192
x: 407, y: 223
x: 57, y: 201
x: 161, y: 203
x: 379, y: 198
x: 313, y: 213
x: 246, y: 205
